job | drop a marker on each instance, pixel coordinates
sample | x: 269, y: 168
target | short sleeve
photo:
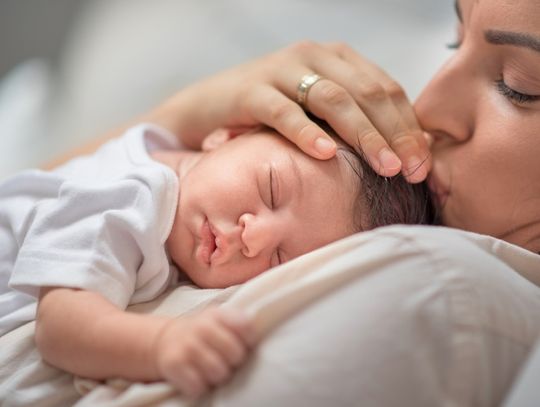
x: 95, y: 237
x: 104, y: 234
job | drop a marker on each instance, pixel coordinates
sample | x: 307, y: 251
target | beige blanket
x: 270, y: 298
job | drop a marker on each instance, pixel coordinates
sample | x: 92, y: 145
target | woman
x: 480, y: 118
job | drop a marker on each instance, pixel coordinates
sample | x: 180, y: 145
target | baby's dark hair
x: 382, y: 201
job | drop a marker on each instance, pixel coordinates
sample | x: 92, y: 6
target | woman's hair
x: 382, y: 201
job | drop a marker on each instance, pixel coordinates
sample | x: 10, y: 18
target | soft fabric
x: 400, y: 315
x: 97, y: 223
x: 525, y: 392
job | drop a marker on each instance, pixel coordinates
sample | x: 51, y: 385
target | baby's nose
x: 230, y: 241
x: 258, y: 234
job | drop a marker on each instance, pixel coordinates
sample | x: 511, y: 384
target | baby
x: 120, y: 226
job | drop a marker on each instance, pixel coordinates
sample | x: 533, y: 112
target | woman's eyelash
x: 514, y: 95
x: 458, y: 36
x: 453, y: 45
x: 502, y: 87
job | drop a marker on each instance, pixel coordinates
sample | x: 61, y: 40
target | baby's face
x: 255, y: 202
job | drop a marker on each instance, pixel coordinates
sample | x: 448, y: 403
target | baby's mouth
x: 208, y: 242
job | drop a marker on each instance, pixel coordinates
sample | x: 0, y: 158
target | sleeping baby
x: 120, y: 226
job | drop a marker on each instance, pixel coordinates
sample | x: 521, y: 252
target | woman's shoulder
x: 460, y: 249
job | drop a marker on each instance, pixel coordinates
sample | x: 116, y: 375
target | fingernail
x: 416, y: 171
x: 325, y: 146
x: 389, y: 161
x: 429, y: 138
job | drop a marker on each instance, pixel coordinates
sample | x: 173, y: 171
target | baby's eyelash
x: 513, y: 95
x: 271, y: 188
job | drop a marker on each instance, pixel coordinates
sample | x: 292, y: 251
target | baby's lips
x: 207, y: 245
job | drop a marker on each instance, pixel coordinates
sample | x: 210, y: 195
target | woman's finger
x: 273, y: 108
x: 382, y: 126
x: 391, y: 87
x: 385, y: 103
x: 335, y: 105
x: 367, y: 129
x: 405, y: 137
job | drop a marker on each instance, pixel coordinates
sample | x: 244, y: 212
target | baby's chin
x: 218, y: 278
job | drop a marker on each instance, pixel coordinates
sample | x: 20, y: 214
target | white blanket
x: 285, y: 294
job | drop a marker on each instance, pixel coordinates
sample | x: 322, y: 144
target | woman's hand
x: 366, y: 107
x: 198, y: 352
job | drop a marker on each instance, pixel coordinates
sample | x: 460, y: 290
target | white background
x: 111, y: 60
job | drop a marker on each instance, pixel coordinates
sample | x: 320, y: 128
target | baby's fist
x: 197, y: 352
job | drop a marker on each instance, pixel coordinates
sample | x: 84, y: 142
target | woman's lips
x: 208, y: 243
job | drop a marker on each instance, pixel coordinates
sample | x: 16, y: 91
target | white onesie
x: 97, y: 223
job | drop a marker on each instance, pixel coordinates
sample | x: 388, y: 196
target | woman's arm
x: 83, y: 333
x: 164, y: 115
x: 366, y: 107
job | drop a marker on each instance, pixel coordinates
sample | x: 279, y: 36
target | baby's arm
x: 83, y: 333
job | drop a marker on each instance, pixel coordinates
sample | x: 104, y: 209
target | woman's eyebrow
x: 497, y: 37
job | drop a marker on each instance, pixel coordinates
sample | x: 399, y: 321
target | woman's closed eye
x: 513, y: 95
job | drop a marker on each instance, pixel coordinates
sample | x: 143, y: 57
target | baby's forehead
x: 269, y: 135
x: 326, y: 190
x: 345, y: 161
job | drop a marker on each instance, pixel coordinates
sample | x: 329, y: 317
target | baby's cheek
x: 245, y: 271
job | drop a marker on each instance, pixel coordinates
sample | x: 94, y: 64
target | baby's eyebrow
x: 297, y: 175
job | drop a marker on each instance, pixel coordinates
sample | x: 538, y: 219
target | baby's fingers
x: 211, y: 365
x: 224, y: 336
x: 226, y: 332
x: 239, y: 323
x: 188, y: 380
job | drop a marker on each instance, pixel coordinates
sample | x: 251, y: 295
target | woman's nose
x: 259, y: 232
x: 442, y: 109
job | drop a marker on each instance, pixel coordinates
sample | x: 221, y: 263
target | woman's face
x: 483, y: 112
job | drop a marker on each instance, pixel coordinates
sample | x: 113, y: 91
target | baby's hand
x: 200, y: 351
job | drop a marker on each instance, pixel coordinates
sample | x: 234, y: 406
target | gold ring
x: 304, y: 86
